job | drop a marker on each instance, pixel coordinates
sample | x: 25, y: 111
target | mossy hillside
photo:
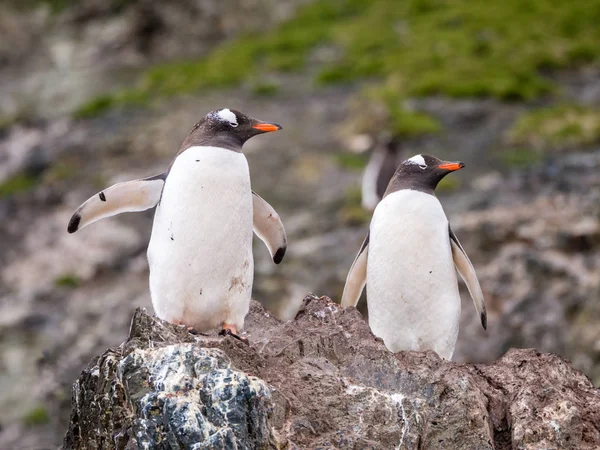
x: 62, y: 171
x: 37, y: 416
x: 520, y: 158
x: 55, y: 6
x: 265, y: 89
x: 457, y: 48
x: 561, y: 126
x: 351, y: 161
x: 448, y: 184
x: 20, y: 182
x: 351, y: 212
x: 58, y: 6
x: 234, y: 62
x: 67, y: 280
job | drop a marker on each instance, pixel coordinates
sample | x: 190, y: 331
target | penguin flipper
x: 467, y: 272
x: 357, y: 276
x: 268, y: 227
x: 129, y: 196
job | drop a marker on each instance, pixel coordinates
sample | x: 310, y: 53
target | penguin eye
x: 417, y: 160
x: 226, y: 116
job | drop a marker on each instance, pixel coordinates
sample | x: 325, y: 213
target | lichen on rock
x: 190, y: 397
x: 173, y: 396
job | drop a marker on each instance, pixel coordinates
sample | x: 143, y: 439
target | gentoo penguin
x: 408, y: 262
x: 200, y: 251
x: 378, y: 173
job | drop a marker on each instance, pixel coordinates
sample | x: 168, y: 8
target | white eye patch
x: 418, y: 160
x: 225, y: 115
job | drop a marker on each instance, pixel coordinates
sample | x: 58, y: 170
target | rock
x: 179, y: 394
x: 31, y: 149
x: 321, y: 381
x: 537, y: 256
x: 19, y: 32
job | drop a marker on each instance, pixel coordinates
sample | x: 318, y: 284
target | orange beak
x: 452, y: 166
x: 267, y: 127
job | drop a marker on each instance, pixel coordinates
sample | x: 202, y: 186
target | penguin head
x: 233, y: 125
x: 423, y: 172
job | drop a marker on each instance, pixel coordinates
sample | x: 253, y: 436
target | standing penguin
x: 379, y: 171
x: 408, y: 262
x: 200, y: 252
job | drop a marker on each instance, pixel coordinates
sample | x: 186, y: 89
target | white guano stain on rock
x: 372, y: 398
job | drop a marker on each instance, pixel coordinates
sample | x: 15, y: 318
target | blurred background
x: 93, y: 92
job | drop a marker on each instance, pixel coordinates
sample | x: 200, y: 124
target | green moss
x: 27, y: 5
x: 407, y: 123
x: 448, y: 184
x: 57, y: 6
x: 351, y: 161
x: 458, y: 48
x: 352, y: 213
x: 400, y: 120
x: 68, y: 280
x: 106, y: 102
x: 99, y: 181
x: 18, y: 183
x: 60, y: 171
x: 37, y: 416
x: 520, y: 158
x: 96, y: 106
x: 557, y: 126
x: 353, y: 196
x: 23, y: 182
x: 7, y: 121
x: 265, y: 89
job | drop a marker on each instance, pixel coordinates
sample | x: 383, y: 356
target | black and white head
x: 422, y: 173
x: 227, y: 128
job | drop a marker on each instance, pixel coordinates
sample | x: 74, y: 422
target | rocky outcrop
x: 536, y: 248
x: 321, y: 381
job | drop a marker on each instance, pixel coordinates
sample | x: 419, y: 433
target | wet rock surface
x: 322, y: 381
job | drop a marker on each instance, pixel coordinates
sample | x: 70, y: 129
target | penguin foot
x: 190, y: 330
x: 229, y: 330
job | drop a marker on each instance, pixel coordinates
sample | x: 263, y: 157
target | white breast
x: 412, y: 290
x: 200, y: 252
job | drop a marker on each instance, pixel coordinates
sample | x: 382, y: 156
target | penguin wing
x: 467, y: 272
x: 357, y: 277
x: 268, y: 227
x: 129, y: 196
